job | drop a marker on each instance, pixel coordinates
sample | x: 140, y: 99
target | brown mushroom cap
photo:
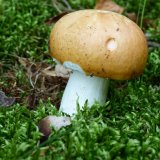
x: 103, y: 43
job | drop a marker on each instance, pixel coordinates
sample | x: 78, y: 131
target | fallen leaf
x: 6, y: 101
x: 109, y: 6
x: 47, y: 81
x: 132, y: 16
x: 153, y: 44
x: 61, y: 71
x: 54, y: 19
x: 49, y: 73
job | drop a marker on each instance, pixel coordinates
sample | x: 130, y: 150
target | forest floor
x: 126, y: 127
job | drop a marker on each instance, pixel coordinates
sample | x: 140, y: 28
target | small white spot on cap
x: 111, y: 44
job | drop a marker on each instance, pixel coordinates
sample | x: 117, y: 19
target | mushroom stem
x: 81, y: 88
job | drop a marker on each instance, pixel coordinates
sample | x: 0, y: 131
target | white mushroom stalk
x: 81, y: 88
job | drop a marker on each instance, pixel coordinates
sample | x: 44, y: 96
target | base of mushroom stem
x: 81, y: 88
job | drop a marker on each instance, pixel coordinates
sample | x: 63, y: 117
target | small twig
x: 150, y: 42
x: 53, y: 88
x: 67, y: 4
x: 153, y: 44
x: 56, y: 6
x: 37, y: 75
x: 42, y: 84
x: 142, y: 14
x: 30, y: 80
x: 21, y: 90
x: 6, y: 76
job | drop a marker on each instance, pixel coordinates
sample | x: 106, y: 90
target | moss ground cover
x: 127, y: 127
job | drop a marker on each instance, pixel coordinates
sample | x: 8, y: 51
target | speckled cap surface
x: 102, y: 43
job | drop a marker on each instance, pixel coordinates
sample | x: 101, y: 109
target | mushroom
x: 97, y: 45
x: 46, y: 124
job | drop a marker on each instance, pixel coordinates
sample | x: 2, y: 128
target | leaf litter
x: 46, y: 81
x: 109, y: 5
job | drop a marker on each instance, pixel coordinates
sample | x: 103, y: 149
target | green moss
x: 127, y: 127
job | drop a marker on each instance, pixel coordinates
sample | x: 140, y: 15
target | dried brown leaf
x: 46, y: 81
x: 6, y: 101
x: 132, y: 16
x: 109, y: 6
x: 54, y: 19
x: 61, y: 71
x: 49, y: 73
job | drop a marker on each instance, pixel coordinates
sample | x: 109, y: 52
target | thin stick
x: 56, y: 7
x: 142, y: 15
x: 67, y: 4
x: 139, y: 8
